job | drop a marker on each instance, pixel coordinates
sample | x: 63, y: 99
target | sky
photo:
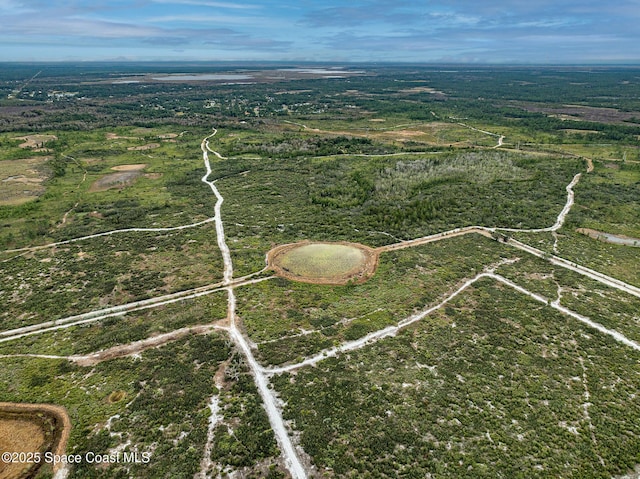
x: 421, y: 31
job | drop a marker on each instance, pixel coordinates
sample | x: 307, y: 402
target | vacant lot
x: 35, y: 142
x: 126, y: 175
x: 21, y: 180
x: 149, y: 146
x: 494, y: 385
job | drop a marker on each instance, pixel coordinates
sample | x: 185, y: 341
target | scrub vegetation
x: 463, y: 355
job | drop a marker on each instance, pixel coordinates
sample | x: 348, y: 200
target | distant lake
x: 319, y: 71
x: 204, y: 76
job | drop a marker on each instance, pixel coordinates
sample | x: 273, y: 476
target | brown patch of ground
x: 573, y: 131
x: 408, y: 133
x: 114, y: 136
x: 363, y: 273
x: 116, y: 396
x: 609, y: 238
x: 589, y: 165
x: 168, y: 136
x: 219, y: 376
x: 421, y: 89
x: 149, y: 146
x: 137, y: 167
x: 377, y: 119
x: 153, y: 176
x: 19, y: 434
x: 127, y: 175
x: 21, y: 180
x: 35, y: 142
x: 115, y: 180
x: 138, y: 347
x: 31, y: 428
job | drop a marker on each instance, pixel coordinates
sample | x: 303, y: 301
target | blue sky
x: 467, y: 31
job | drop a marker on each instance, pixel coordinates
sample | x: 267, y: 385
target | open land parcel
x: 463, y: 354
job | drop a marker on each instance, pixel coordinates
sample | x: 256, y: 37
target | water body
x: 204, y: 76
x: 316, y: 71
x: 610, y: 238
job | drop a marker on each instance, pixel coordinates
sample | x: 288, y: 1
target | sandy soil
x: 115, y: 180
x: 19, y: 434
x: 34, y: 141
x: 408, y: 133
x: 149, y: 146
x: 113, y: 136
x: 140, y: 346
x: 60, y: 415
x: 608, y: 237
x: 422, y: 89
x: 137, y: 167
x: 21, y: 180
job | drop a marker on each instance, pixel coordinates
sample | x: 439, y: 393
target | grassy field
x: 322, y: 260
x: 22, y: 180
x: 169, y: 194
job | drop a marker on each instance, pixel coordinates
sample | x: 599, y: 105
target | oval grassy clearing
x: 324, y: 263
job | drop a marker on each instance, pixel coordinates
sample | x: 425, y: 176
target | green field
x: 322, y: 261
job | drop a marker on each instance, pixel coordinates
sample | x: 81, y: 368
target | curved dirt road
x: 393, y: 330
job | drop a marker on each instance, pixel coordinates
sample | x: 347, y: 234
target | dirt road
x: 393, y: 330
x: 289, y: 453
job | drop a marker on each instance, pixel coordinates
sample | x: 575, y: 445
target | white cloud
x: 224, y: 19
x: 206, y: 3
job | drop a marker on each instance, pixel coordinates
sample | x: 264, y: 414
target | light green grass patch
x: 321, y: 260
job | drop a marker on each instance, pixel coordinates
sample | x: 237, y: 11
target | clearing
x: 126, y: 175
x: 149, y: 146
x: 35, y: 142
x: 324, y: 263
x: 21, y: 180
x: 609, y: 238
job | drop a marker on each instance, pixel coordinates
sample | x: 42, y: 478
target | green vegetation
x: 610, y: 307
x: 106, y: 271
x: 164, y: 411
x: 118, y: 330
x: 243, y: 437
x: 320, y: 260
x: 493, y: 384
x: 507, y: 387
x: 275, y: 312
